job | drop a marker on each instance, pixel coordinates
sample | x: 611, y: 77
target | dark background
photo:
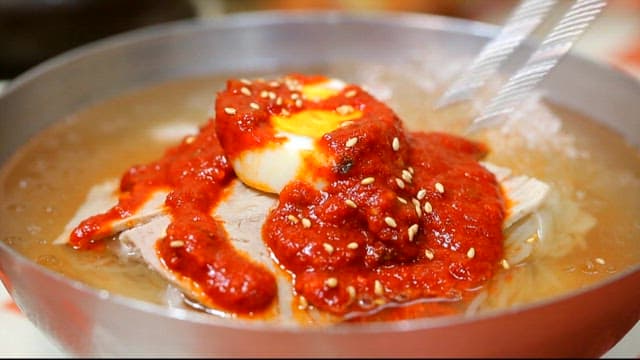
x: 32, y: 31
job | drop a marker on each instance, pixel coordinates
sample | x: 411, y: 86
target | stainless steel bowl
x: 88, y: 322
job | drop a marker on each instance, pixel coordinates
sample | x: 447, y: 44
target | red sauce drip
x: 196, y: 171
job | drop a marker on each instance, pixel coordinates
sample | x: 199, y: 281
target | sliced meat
x: 242, y: 211
x: 100, y: 198
x: 103, y: 197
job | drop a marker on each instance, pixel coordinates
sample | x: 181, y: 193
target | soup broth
x: 589, y: 167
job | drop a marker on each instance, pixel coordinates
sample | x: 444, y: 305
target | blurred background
x: 32, y: 31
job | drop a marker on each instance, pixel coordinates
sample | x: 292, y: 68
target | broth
x: 46, y: 181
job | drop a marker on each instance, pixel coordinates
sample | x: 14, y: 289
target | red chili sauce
x: 196, y: 171
x: 405, y: 216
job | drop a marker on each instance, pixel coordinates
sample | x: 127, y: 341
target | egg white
x: 295, y: 155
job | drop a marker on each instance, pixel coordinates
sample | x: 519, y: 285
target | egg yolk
x: 312, y: 123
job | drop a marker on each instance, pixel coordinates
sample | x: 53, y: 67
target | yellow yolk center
x: 312, y: 123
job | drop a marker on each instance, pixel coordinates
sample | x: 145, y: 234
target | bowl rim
x: 267, y: 18
x: 252, y: 18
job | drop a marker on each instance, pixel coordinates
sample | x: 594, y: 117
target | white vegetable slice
x: 525, y: 194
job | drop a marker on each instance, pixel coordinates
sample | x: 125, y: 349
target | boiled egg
x: 295, y: 154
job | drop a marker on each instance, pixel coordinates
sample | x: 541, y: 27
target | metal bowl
x: 88, y: 322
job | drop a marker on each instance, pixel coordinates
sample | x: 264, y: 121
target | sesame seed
x: 328, y: 248
x: 351, y: 203
x: 245, y: 81
x: 274, y: 84
x: 367, y: 180
x: 292, y: 218
x: 346, y: 123
x: 378, y: 289
x: 264, y: 94
x: 190, y: 139
x: 295, y: 96
x: 279, y: 101
x: 379, y: 301
x: 331, y: 282
x: 429, y: 254
x: 471, y: 253
x: 427, y: 207
x: 285, y: 112
x: 302, y: 303
x: 439, y: 187
x: 352, y: 245
x: 600, y: 261
x: 400, y: 183
x: 410, y: 168
x: 352, y: 292
x: 245, y: 91
x: 421, y: 194
x: 505, y: 264
x: 344, y: 109
x: 306, y: 223
x: 406, y: 176
x: 413, y: 230
x: 176, y: 243
x: 390, y: 221
x: 351, y: 142
x: 395, y: 144
x: 299, y: 103
x: 531, y: 240
x: 402, y: 200
x: 417, y: 209
x: 254, y: 106
x: 230, y: 110
x: 272, y: 95
x: 350, y: 93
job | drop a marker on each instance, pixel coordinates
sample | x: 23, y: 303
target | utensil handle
x: 553, y: 47
x: 524, y: 20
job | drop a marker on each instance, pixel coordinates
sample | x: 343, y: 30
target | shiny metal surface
x: 87, y: 322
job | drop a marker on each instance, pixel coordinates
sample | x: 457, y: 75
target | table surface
x: 614, y: 38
